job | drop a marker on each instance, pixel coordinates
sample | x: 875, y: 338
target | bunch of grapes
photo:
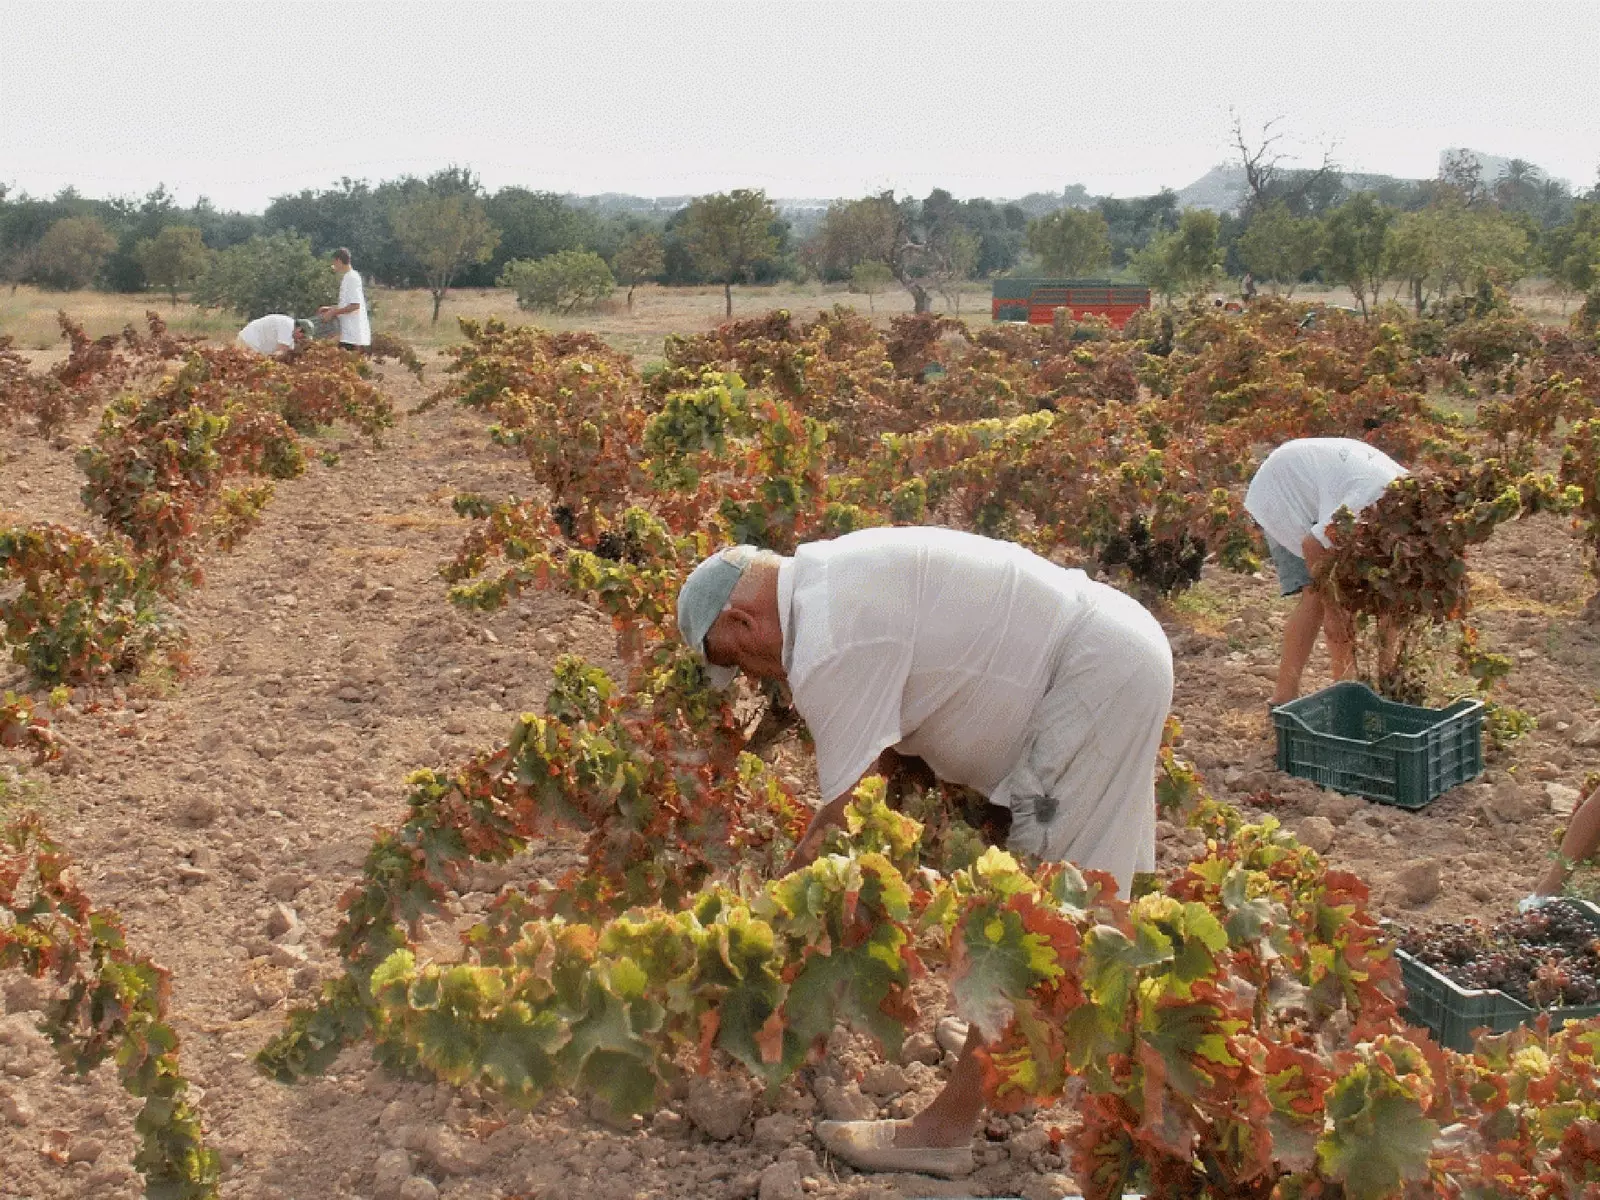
x: 1547, y: 958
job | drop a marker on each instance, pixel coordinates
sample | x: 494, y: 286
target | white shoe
x: 951, y: 1034
x: 869, y: 1146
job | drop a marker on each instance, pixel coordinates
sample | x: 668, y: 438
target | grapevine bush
x: 110, y: 1003
x: 161, y: 474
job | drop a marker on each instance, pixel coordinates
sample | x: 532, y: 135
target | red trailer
x: 1036, y: 300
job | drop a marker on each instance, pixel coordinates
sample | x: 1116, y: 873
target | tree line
x: 1425, y: 240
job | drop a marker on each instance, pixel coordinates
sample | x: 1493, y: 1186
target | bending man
x: 1293, y: 497
x: 275, y: 334
x: 1030, y: 683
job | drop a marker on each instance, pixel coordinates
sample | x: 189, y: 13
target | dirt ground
x: 327, y: 665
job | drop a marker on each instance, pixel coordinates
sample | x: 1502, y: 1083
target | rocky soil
x: 224, y: 817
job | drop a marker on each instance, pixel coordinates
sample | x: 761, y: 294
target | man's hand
x: 1313, y: 551
x: 829, y: 816
x: 325, y: 311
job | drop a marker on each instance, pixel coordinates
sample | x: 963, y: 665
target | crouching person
x: 1032, y: 684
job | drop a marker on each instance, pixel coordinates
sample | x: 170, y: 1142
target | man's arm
x: 1313, y: 551
x: 831, y: 814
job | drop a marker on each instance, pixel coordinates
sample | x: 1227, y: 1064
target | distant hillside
x: 1493, y: 166
x: 1223, y: 188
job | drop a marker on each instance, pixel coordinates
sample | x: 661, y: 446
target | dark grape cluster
x: 618, y: 547
x: 1547, y: 958
x: 1164, y: 564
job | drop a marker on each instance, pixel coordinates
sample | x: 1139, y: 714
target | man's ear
x: 740, y: 621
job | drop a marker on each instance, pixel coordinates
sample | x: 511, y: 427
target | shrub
x: 267, y: 275
x: 563, y: 282
x: 72, y: 252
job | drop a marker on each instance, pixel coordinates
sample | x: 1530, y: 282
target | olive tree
x: 1071, y: 241
x: 1356, y: 246
x: 72, y: 252
x: 176, y: 257
x: 444, y: 234
x: 729, y: 234
x: 869, y: 278
x: 639, y: 257
x: 1279, y: 246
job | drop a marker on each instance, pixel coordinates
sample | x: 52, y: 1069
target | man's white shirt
x: 268, y: 334
x: 1302, y: 483
x: 936, y: 642
x: 354, y: 328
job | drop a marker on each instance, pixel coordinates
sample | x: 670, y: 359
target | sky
x: 241, y: 102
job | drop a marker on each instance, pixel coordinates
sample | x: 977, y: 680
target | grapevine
x: 112, y: 1003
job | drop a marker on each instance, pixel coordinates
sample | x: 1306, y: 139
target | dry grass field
x: 28, y: 313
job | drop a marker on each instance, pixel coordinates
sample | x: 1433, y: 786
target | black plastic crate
x: 1349, y: 738
x: 1451, y: 1012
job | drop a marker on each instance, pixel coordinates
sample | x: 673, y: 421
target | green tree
x: 1412, y: 256
x: 1185, y: 261
x: 17, y: 264
x: 534, y: 225
x: 1156, y: 264
x: 72, y: 252
x: 912, y: 239
x: 1478, y: 246
x: 639, y: 257
x: 730, y: 233
x: 1071, y: 241
x: 869, y: 278
x: 1572, y: 249
x: 1134, y: 223
x: 855, y: 232
x: 444, y: 234
x: 562, y: 282
x: 953, y: 258
x: 1449, y: 249
x: 1356, y: 246
x: 268, y: 274
x: 174, y: 258
x: 1279, y: 246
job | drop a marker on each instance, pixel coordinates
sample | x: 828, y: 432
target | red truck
x: 1036, y: 300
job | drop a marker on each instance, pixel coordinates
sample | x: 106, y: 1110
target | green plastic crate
x: 1349, y: 738
x: 1451, y: 1012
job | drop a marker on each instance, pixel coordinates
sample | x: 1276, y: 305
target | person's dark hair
x: 342, y: 255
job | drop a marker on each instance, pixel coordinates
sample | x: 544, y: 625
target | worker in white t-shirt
x: 1032, y: 684
x: 1293, y: 496
x: 355, y: 332
x: 276, y: 334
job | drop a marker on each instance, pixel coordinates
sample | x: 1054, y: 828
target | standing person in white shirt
x: 355, y: 332
x: 275, y: 334
x: 1033, y: 684
x: 1293, y: 496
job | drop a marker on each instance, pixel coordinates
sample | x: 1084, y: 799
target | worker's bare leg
x: 953, y: 1115
x: 1577, y: 844
x: 1299, y: 637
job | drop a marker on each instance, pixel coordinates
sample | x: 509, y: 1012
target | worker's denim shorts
x: 1293, y: 574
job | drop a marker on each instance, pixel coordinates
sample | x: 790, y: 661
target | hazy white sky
x: 807, y: 98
